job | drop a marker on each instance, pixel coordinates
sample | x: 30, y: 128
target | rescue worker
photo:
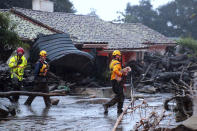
x: 17, y: 65
x: 117, y: 86
x: 40, y: 79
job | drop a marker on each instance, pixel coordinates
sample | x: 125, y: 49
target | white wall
x: 43, y: 5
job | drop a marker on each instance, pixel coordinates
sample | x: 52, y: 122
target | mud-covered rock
x: 147, y: 89
x: 54, y: 101
x: 6, y: 110
x: 3, y: 111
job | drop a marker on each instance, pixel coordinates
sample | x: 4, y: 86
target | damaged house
x: 93, y: 35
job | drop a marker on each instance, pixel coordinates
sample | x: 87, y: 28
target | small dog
x: 125, y: 72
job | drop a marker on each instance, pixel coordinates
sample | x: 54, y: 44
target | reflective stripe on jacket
x: 17, y: 70
x: 41, y: 68
x: 44, y: 69
x: 115, y: 68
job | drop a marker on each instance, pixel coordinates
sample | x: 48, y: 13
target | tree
x: 93, y: 12
x: 8, y: 38
x: 177, y: 18
x: 63, y: 6
x: 7, y: 34
x: 142, y: 13
x: 6, y: 4
x: 59, y: 5
x: 180, y: 17
x: 189, y: 43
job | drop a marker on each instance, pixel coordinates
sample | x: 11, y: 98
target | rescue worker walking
x: 117, y: 85
x: 40, y: 79
x: 17, y: 65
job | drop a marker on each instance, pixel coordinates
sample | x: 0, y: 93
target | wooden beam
x: 25, y: 93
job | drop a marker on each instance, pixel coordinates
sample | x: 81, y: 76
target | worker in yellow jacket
x: 17, y: 65
x: 116, y: 80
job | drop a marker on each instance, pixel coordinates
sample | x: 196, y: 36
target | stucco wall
x: 43, y: 5
x: 158, y: 48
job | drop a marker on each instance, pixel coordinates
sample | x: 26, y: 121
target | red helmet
x: 20, y: 50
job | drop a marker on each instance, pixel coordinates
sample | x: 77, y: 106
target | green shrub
x: 9, y: 38
x: 189, y: 43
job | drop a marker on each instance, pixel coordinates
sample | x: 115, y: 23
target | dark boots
x: 47, y: 101
x: 119, y: 99
x: 29, y: 100
x: 119, y: 107
x: 109, y: 104
x: 105, y: 109
x: 16, y: 86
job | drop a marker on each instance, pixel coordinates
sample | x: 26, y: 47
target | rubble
x: 7, y: 109
x: 169, y: 73
x: 4, y: 77
x: 157, y: 73
x: 161, y: 73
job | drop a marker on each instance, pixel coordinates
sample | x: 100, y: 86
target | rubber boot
x: 105, y: 108
x: 112, y: 102
x: 47, y: 101
x: 15, y: 98
x: 119, y: 106
x: 29, y: 100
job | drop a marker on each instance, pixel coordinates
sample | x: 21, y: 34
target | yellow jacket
x: 115, y: 68
x: 17, y: 70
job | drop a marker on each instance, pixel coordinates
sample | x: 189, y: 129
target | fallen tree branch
x: 177, y: 86
x: 124, y: 112
x: 144, y: 121
x: 151, y: 122
x: 136, y: 107
x: 121, y: 116
x: 147, y: 70
x: 158, y: 120
x: 184, y: 83
x: 25, y: 93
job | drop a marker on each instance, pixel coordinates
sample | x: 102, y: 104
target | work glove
x: 19, y: 62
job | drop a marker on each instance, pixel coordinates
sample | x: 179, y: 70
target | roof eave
x: 127, y: 49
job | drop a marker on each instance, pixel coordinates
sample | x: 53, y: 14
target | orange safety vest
x: 44, y: 69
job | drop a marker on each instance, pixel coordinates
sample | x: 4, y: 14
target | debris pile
x: 167, y: 73
x: 4, y: 77
x: 163, y: 73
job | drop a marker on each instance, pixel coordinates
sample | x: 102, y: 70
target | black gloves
x: 19, y: 62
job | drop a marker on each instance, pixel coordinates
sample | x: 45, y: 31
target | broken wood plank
x: 147, y: 70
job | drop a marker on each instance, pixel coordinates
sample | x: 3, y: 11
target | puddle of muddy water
x: 73, y: 115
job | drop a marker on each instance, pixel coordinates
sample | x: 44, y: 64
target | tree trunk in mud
x: 191, y: 122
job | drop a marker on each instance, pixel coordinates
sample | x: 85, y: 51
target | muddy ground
x: 81, y: 113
